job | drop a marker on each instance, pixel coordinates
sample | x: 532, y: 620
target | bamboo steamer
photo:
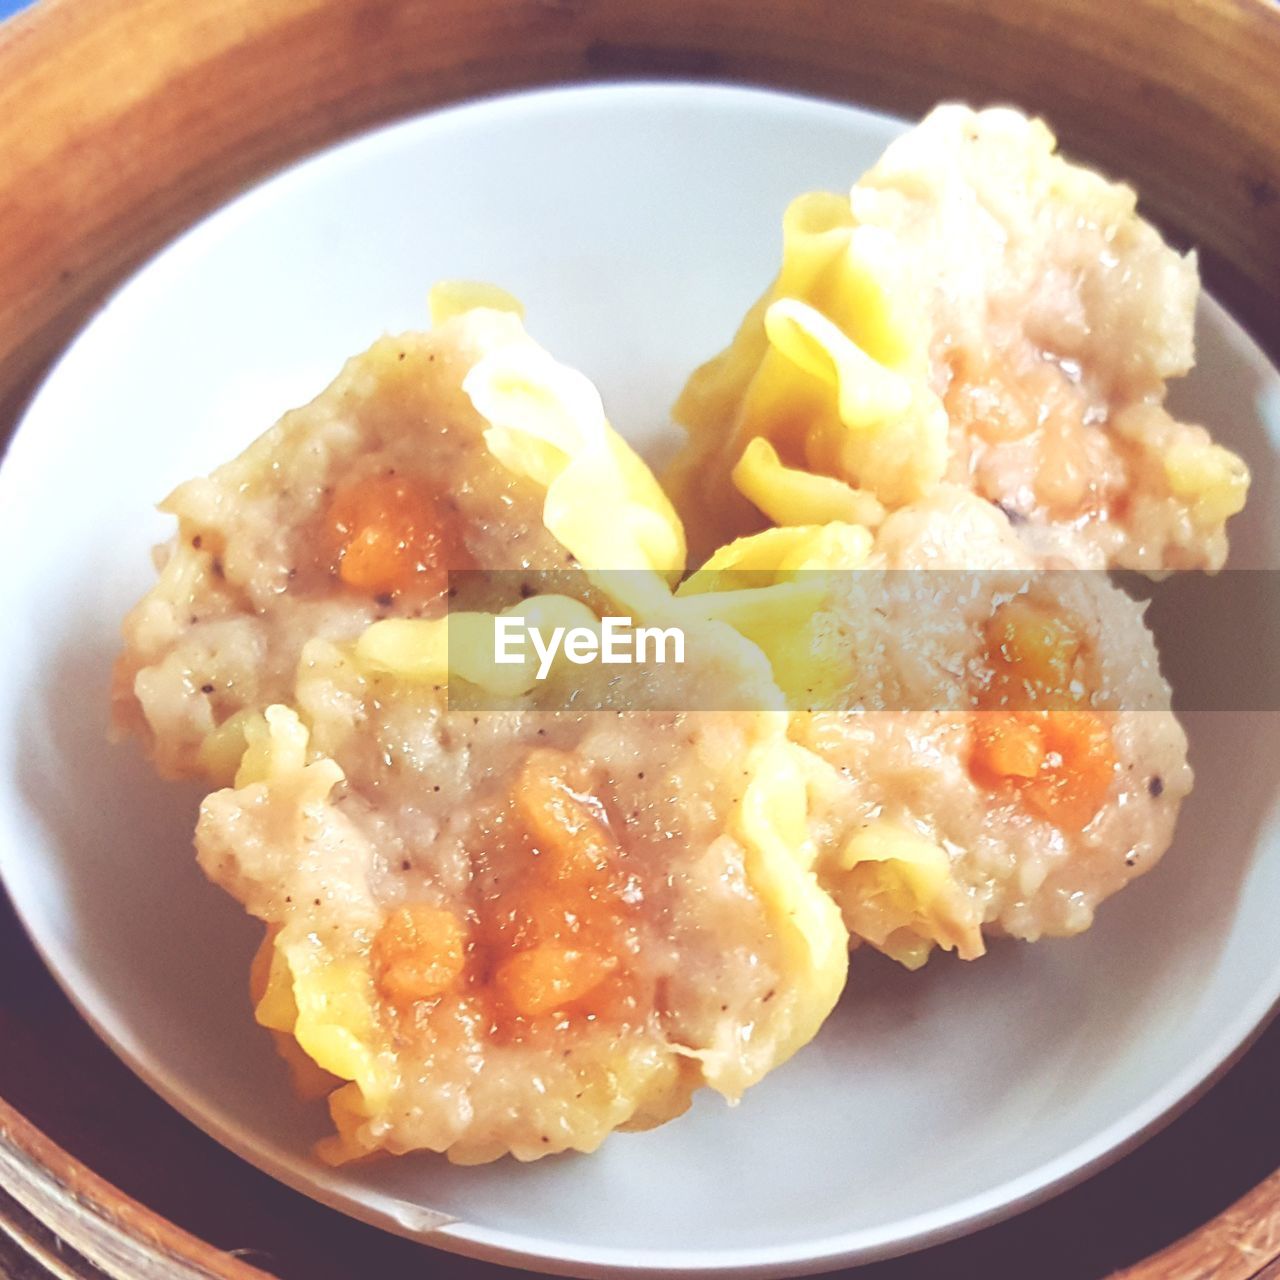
x: 122, y: 121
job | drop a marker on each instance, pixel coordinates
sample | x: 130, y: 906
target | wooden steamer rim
x: 122, y: 121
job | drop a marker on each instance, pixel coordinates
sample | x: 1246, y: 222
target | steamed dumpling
x: 994, y: 750
x: 517, y: 931
x: 356, y: 508
x: 978, y: 310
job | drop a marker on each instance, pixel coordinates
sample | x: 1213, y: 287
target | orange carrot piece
x: 1007, y: 745
x: 390, y: 535
x: 549, y: 979
x: 419, y: 952
x: 1070, y: 792
x: 571, y: 838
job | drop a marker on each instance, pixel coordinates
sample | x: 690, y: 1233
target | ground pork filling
x: 978, y: 310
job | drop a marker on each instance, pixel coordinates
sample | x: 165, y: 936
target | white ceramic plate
x: 637, y: 223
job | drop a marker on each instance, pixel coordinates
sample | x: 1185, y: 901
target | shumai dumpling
x: 977, y: 310
x: 357, y: 506
x: 516, y: 931
x: 996, y: 750
x: 510, y: 928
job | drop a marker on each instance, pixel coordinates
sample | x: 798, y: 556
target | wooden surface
x: 61, y: 1219
x: 121, y: 121
x: 1242, y: 1242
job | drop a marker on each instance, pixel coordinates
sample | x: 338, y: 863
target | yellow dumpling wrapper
x: 855, y: 276
x: 830, y: 367
x: 222, y: 749
x: 328, y: 1005
x: 789, y: 496
x: 773, y: 587
x: 271, y: 988
x: 785, y: 551
x: 863, y: 421
x: 276, y: 745
x: 275, y: 742
x: 336, y: 1025
x: 910, y: 878
x: 866, y: 392
x: 546, y: 421
x: 1213, y: 479
x: 451, y: 298
x: 325, y: 1002
x: 847, y: 272
x: 773, y: 826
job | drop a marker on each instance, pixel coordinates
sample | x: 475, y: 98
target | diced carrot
x: 419, y: 952
x: 558, y: 937
x: 389, y: 535
x: 570, y: 836
x: 1033, y: 653
x: 998, y: 404
x: 1006, y: 745
x: 621, y: 997
x: 556, y: 913
x: 548, y: 979
x: 1029, y: 734
x: 1034, y: 658
x: 1074, y: 761
x: 1071, y: 791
